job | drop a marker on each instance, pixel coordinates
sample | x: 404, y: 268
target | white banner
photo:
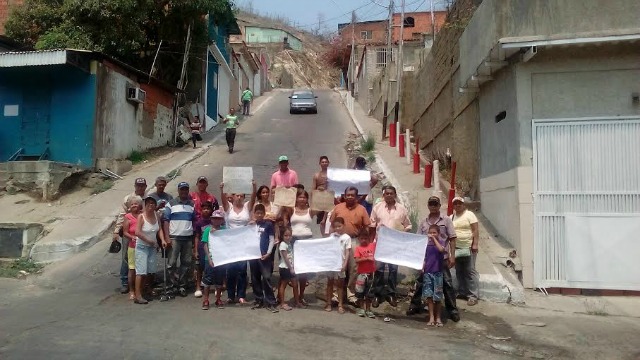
x: 340, y: 179
x: 237, y: 180
x: 316, y: 255
x: 400, y: 248
x: 239, y: 244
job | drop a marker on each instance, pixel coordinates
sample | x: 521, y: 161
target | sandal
x: 431, y: 324
x: 132, y: 296
x: 472, y: 301
x: 242, y: 301
x: 304, y: 303
x: 327, y: 308
x: 286, y: 307
x: 141, y: 301
x: 439, y: 324
x: 341, y: 310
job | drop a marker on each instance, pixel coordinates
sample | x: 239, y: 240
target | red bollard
x: 392, y: 135
x: 428, y: 174
x: 416, y: 159
x: 402, y: 145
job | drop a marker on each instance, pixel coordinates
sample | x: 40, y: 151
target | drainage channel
x: 16, y: 240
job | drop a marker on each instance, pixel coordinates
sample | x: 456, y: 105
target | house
x: 364, y: 32
x: 248, y: 68
x: 559, y: 132
x: 418, y: 26
x: 266, y: 35
x: 74, y: 106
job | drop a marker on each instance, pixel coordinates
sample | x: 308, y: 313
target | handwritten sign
x: 340, y: 179
x: 237, y: 180
x: 285, y: 197
x: 322, y: 200
x: 400, y: 248
x: 316, y: 255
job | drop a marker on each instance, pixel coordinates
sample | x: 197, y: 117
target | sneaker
x: 370, y: 314
x: 182, y: 291
x: 360, y: 312
x: 376, y: 302
x: 272, y: 309
x: 219, y: 304
x: 205, y: 305
x: 257, y: 305
x: 198, y: 293
x: 124, y: 289
x: 454, y: 316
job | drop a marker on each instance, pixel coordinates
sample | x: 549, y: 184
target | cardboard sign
x: 237, y: 180
x: 285, y: 197
x: 317, y: 255
x: 340, y: 179
x: 232, y: 245
x: 400, y: 248
x: 322, y: 200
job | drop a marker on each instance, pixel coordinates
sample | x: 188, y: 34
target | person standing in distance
x: 247, y: 99
x: 232, y: 123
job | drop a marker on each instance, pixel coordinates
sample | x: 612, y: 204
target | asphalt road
x: 73, y: 310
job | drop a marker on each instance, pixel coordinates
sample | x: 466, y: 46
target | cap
x: 434, y: 198
x: 217, y: 214
x: 150, y: 197
x: 203, y: 178
x: 183, y: 184
x: 283, y: 158
x: 140, y: 181
x: 458, y: 198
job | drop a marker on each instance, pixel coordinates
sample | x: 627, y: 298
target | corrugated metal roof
x: 33, y: 58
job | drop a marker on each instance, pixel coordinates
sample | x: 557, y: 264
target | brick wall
x: 378, y: 33
x: 5, y: 9
x: 422, y: 22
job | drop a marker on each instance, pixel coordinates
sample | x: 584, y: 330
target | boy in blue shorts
x: 432, y: 283
x: 212, y: 276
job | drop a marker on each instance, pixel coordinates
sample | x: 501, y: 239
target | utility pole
x: 433, y: 25
x: 352, y: 60
x: 388, y: 57
x: 181, y: 83
x: 400, y: 68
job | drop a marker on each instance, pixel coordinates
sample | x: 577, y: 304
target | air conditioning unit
x: 136, y: 94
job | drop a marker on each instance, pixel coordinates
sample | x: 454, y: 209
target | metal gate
x: 587, y: 203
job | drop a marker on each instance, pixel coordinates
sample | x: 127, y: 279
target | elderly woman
x: 466, y: 226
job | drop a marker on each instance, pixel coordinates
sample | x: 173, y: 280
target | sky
x: 305, y: 13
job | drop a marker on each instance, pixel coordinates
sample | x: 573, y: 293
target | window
x: 409, y: 22
x: 366, y: 35
x: 382, y: 58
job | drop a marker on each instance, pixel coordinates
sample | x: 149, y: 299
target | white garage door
x: 587, y: 203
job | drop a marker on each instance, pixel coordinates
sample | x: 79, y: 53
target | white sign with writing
x: 317, y: 255
x: 400, y: 248
x: 340, y: 179
x: 237, y: 180
x: 233, y: 245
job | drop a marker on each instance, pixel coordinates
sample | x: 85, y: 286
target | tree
x: 128, y: 30
x: 338, y: 53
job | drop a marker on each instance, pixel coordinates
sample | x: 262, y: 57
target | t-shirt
x: 462, y: 224
x: 433, y: 258
x: 367, y: 266
x: 133, y: 224
x: 284, y: 178
x: 355, y: 218
x: 345, y: 243
x: 236, y: 220
x: 232, y: 121
x: 199, y: 199
x: 180, y: 214
x: 199, y: 225
x: 161, y: 199
x: 247, y: 95
x: 289, y: 249
x: 267, y: 236
x: 205, y: 237
x: 446, y: 230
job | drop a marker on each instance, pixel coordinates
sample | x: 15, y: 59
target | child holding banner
x: 261, y: 268
x: 366, y: 266
x: 432, y: 283
x: 338, y: 278
x: 287, y: 272
x: 213, y: 276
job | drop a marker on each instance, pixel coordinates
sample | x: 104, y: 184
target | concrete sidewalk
x: 72, y: 229
x: 496, y: 284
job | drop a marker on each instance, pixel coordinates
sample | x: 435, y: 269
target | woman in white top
x: 238, y: 214
x: 466, y: 225
x: 147, y: 232
x: 301, y: 220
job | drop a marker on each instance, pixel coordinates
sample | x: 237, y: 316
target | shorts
x: 285, y: 274
x: 432, y: 286
x: 214, y: 276
x: 363, y: 286
x: 145, y: 259
x: 131, y: 258
x: 333, y: 274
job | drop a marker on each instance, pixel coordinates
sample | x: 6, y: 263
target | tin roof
x: 33, y: 58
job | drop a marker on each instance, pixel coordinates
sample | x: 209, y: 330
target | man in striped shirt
x: 179, y: 215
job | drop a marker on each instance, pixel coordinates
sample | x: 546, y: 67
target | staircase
x: 20, y: 155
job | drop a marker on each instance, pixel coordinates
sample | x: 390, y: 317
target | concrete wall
x: 123, y: 126
x: 62, y: 98
x: 261, y: 35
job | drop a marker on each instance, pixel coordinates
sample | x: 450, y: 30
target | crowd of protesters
x: 179, y: 228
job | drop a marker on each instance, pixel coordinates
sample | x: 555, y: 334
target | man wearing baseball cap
x: 448, y: 236
x: 178, y: 218
x: 284, y: 177
x: 140, y: 186
x: 202, y: 196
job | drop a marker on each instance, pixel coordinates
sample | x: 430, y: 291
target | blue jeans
x: 237, y: 280
x: 380, y: 284
x: 124, y: 265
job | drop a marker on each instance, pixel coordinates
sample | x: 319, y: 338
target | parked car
x: 303, y: 101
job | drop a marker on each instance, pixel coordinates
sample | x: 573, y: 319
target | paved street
x: 73, y: 310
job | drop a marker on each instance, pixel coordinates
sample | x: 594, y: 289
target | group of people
x: 181, y: 227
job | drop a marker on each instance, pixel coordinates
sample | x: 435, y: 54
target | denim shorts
x: 145, y: 259
x: 285, y: 274
x: 432, y: 286
x: 363, y: 286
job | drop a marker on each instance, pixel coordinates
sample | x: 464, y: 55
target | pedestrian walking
x: 232, y: 123
x: 196, y: 127
x: 178, y: 227
x: 465, y: 223
x: 392, y: 214
x: 238, y: 214
x: 247, y: 99
x: 147, y: 232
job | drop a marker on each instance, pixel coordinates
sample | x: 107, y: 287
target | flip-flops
x: 328, y: 308
x: 286, y: 307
